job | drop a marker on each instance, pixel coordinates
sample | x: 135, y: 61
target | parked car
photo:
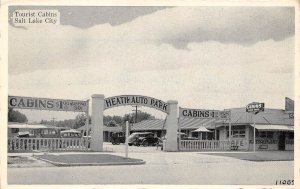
x: 25, y: 134
x: 70, y: 134
x: 117, y: 138
x: 148, y: 140
x: 136, y: 138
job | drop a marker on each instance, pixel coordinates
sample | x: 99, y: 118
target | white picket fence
x: 48, y: 144
x: 204, y: 145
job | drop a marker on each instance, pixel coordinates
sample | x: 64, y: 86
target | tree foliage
x: 110, y: 121
x: 16, y: 116
x: 133, y: 118
x: 79, y: 121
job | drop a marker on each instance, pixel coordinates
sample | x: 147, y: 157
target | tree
x: 16, y: 116
x: 80, y: 121
x: 112, y: 121
x: 140, y: 117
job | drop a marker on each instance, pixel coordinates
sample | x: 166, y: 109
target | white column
x: 172, y: 127
x: 126, y: 139
x: 254, y: 137
x: 97, y: 122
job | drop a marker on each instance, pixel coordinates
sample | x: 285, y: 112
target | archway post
x: 97, y: 123
x: 172, y: 127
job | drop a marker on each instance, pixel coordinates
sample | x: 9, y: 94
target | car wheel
x: 145, y: 143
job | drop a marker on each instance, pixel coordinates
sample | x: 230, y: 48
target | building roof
x: 112, y: 129
x: 191, y: 123
x: 155, y: 124
x: 105, y: 128
x: 239, y: 116
x: 31, y: 126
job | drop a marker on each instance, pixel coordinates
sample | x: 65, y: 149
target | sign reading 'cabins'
x: 203, y: 114
x: 135, y: 100
x: 255, y: 107
x: 47, y: 104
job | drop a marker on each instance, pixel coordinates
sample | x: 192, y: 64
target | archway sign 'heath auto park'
x: 135, y: 100
x: 47, y: 104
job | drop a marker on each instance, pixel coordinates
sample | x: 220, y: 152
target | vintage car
x: 148, y: 140
x: 142, y: 139
x: 25, y: 134
x: 137, y: 139
x: 70, y: 134
x: 117, y: 138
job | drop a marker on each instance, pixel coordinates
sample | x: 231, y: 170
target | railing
x: 204, y: 145
x: 39, y: 144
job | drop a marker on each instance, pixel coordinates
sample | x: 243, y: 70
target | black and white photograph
x: 168, y: 93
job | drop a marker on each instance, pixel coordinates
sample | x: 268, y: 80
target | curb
x: 60, y: 164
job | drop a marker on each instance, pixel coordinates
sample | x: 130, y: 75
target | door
x: 281, y: 141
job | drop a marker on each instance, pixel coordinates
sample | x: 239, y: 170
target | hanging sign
x: 203, y: 114
x: 255, y: 107
x: 135, y: 100
x: 47, y: 104
x: 224, y: 114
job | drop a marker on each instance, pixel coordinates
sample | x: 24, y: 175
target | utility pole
x: 255, y: 108
x: 136, y: 111
x: 53, y: 119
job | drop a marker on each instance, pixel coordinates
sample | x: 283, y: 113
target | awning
x: 202, y: 129
x: 273, y: 127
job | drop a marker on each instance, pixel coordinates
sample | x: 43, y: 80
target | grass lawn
x: 258, y: 156
x: 87, y: 158
x: 19, y: 160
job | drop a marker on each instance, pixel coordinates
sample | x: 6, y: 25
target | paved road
x: 161, y: 168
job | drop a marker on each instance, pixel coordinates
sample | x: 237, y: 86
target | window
x: 218, y: 135
x: 52, y: 132
x: 15, y: 130
x: 236, y: 132
x: 270, y: 134
x: 291, y: 135
x: 242, y: 134
x: 195, y: 134
x: 265, y: 134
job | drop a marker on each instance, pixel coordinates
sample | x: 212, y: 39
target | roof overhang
x: 273, y: 127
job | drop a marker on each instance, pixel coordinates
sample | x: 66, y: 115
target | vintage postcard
x: 180, y: 94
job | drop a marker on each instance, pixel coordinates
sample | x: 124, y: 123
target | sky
x: 203, y: 57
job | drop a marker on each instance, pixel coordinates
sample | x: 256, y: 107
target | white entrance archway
x: 99, y: 104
